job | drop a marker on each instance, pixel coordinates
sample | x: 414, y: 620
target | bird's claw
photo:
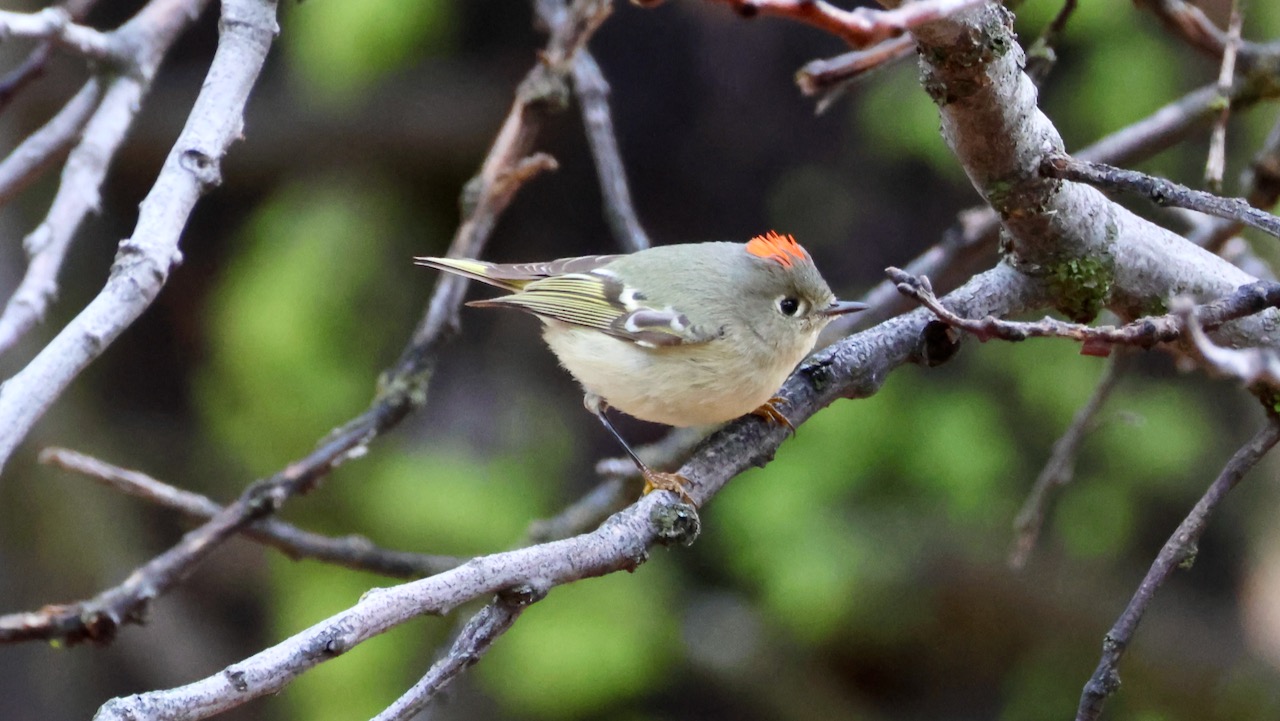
x: 771, y: 411
x: 674, y: 482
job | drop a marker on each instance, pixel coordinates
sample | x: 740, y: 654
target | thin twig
x: 974, y: 234
x: 1215, y: 166
x: 1178, y: 552
x: 1059, y: 470
x: 1261, y: 183
x: 1191, y: 24
x: 33, y: 67
x: 1250, y: 366
x: 44, y: 146
x: 1042, y: 54
x: 355, y: 552
x: 1158, y: 190
x: 828, y: 75
x: 473, y: 641
x: 402, y: 388
x: 592, y: 91
x: 1142, y: 333
x: 55, y: 24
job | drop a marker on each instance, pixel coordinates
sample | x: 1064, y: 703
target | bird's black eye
x: 788, y: 305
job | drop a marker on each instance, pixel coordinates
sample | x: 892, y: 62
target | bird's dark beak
x: 840, y: 307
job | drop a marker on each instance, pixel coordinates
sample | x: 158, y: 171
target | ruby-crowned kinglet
x: 685, y: 335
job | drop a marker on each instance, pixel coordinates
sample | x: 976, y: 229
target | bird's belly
x: 689, y: 385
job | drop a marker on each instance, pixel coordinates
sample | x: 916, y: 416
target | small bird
x: 685, y: 335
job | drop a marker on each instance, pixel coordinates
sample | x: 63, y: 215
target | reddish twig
x: 860, y: 27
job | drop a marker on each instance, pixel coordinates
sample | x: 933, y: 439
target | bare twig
x: 1261, y: 183
x: 1178, y: 552
x: 44, y: 146
x: 1215, y: 166
x: 1159, y: 191
x: 860, y: 27
x: 55, y: 24
x: 355, y: 552
x: 607, y: 497
x: 1192, y: 25
x: 1143, y: 333
x: 20, y: 77
x: 615, y: 491
x: 592, y: 91
x: 473, y: 642
x: 1041, y: 55
x: 827, y: 76
x: 77, y: 196
x: 402, y: 388
x: 1250, y: 365
x: 1060, y: 468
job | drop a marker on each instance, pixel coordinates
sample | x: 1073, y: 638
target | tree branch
x: 1143, y: 333
x: 55, y: 24
x: 352, y: 551
x: 1178, y: 552
x: 143, y: 262
x: 1159, y: 191
x: 592, y: 91
x: 473, y: 641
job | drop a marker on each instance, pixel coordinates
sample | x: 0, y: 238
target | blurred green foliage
x: 588, y: 646
x: 292, y: 350
x: 340, y: 50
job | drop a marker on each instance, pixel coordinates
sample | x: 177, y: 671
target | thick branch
x: 143, y: 262
x: 1097, y: 253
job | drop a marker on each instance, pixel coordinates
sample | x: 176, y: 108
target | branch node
x: 676, y: 524
x: 203, y: 166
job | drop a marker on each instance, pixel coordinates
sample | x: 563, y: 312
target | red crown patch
x: 776, y: 247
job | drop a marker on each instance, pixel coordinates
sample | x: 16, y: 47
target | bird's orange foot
x: 674, y: 482
x: 771, y: 411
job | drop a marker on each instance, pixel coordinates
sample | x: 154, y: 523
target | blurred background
x: 861, y: 575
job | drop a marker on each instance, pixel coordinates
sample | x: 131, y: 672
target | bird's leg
x: 653, y: 480
x: 771, y: 411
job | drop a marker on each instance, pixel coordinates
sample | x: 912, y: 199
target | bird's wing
x: 599, y: 300
x: 514, y: 276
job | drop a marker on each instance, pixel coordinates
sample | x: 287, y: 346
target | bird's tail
x: 473, y: 269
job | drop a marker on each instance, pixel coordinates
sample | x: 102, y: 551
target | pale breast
x: 691, y: 385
